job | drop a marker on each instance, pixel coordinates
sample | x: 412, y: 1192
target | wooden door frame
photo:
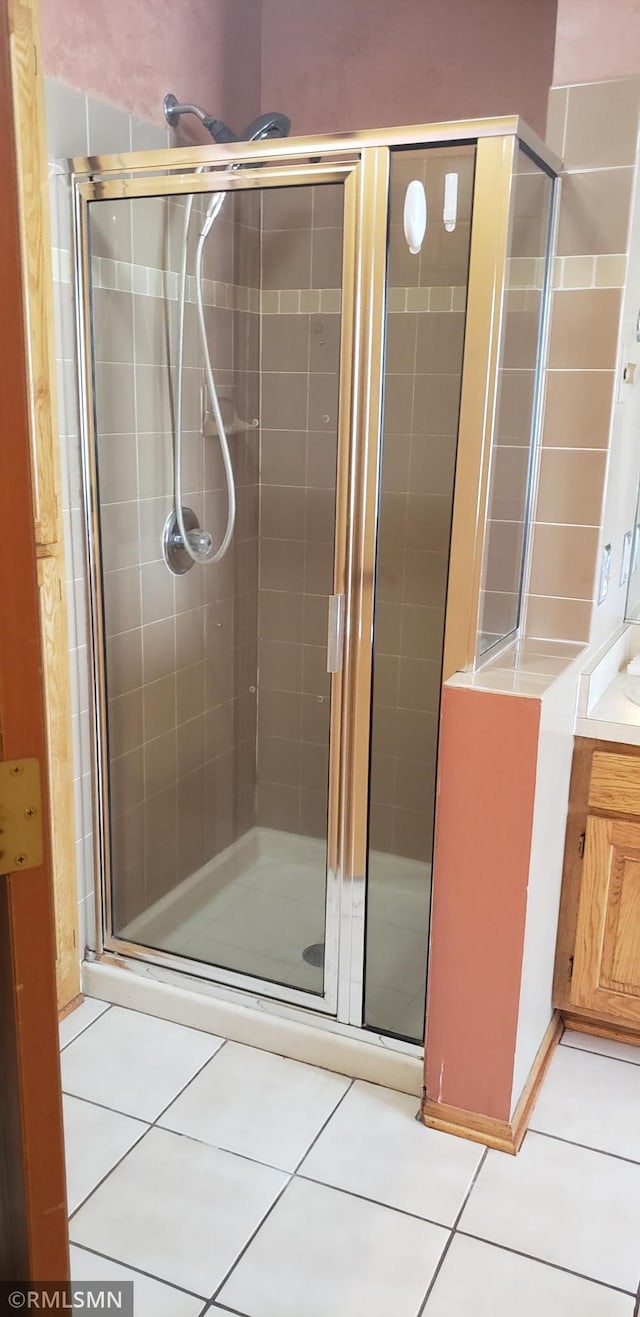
x: 29, y: 130
x: 33, y: 1219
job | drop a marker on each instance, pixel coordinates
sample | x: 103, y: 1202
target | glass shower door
x: 425, y: 325
x: 216, y: 732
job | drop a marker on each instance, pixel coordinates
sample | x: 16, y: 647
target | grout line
x: 364, y: 1198
x: 140, y: 1271
x: 149, y: 1126
x: 604, y: 1055
x: 108, y: 1173
x: 108, y: 1004
x: 451, y: 1238
x: 588, y: 1147
x: 324, y: 1126
x: 556, y: 1266
x: 249, y: 1242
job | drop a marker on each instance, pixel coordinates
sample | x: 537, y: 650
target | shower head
x: 267, y: 125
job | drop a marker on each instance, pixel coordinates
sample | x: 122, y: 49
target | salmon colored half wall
x: 347, y: 64
x: 130, y: 52
x: 597, y: 40
x: 487, y: 775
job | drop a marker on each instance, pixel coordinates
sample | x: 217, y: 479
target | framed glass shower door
x: 219, y: 724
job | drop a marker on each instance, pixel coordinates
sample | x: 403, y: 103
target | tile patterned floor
x: 222, y: 1179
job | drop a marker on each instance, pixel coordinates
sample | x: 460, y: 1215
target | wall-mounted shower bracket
x: 177, y: 558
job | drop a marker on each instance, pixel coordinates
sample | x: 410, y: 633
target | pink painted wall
x: 597, y: 39
x: 130, y: 52
x: 484, y: 821
x: 347, y: 64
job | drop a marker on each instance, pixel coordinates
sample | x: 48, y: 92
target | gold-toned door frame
x: 488, y: 258
x: 132, y: 174
x: 352, y: 175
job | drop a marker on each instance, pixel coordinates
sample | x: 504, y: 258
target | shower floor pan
x: 256, y: 907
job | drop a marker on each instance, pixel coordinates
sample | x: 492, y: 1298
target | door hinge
x: 570, y: 968
x: 581, y: 842
x: 21, y: 845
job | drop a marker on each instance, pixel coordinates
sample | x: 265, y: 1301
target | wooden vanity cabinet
x: 597, y: 978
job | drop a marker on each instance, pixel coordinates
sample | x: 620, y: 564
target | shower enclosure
x: 266, y: 724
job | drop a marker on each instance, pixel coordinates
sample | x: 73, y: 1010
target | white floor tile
x: 374, y: 1146
x: 78, y: 1020
x: 485, y: 1281
x: 257, y: 1104
x: 95, y: 1140
x: 325, y: 1254
x: 593, y: 1100
x: 133, y: 1062
x: 589, y: 1042
x: 150, y: 1297
x: 178, y: 1209
x: 562, y: 1204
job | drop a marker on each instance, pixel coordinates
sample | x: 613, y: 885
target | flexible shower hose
x: 199, y: 543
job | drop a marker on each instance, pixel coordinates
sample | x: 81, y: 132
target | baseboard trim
x: 70, y: 1006
x: 503, y: 1135
x: 600, y: 1029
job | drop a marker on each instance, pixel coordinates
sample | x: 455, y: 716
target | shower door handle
x: 335, y: 637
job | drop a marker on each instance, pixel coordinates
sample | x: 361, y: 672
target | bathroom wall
x: 337, y: 66
x: 130, y: 55
x: 596, y: 41
x: 594, y: 129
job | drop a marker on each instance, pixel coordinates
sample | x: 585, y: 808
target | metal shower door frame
x: 344, y: 904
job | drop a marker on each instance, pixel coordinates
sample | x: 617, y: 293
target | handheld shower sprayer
x: 185, y: 542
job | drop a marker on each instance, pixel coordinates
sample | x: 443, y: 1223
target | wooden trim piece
x: 529, y: 1096
x: 503, y: 1135
x: 616, y: 1032
x: 33, y: 1217
x: 53, y: 620
x: 35, y: 237
x: 38, y: 320
x: 70, y: 1007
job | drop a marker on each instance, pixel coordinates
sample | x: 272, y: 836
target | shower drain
x: 314, y: 954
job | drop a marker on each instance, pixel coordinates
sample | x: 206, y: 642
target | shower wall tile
x: 159, y: 683
x: 301, y: 264
x: 594, y: 128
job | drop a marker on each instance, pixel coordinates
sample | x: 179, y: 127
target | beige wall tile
x: 556, y: 119
x: 124, y: 661
x: 563, y: 561
x: 326, y: 258
x: 594, y: 212
x: 602, y: 124
x: 558, y: 619
x: 578, y: 408
x: 584, y: 329
x: 571, y: 486
x: 286, y: 258
x: 278, y: 806
x: 287, y: 208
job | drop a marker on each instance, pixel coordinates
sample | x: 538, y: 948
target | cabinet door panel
x: 606, y: 972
